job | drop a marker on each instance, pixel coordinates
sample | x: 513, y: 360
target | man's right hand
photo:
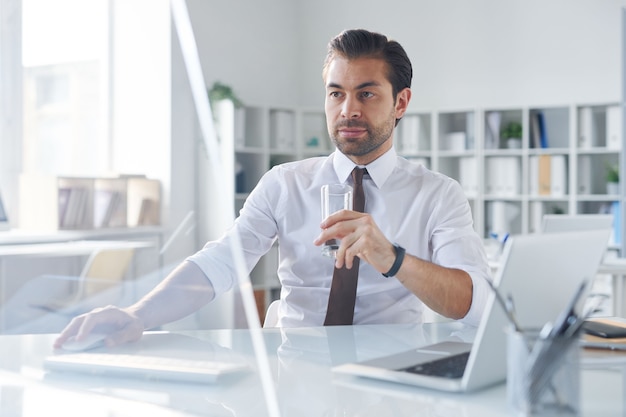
x: 120, y: 325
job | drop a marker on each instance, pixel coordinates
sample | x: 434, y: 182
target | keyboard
x: 143, y: 366
x: 452, y: 366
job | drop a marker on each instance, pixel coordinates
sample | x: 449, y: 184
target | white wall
x: 476, y: 53
x: 484, y: 52
x: 250, y: 45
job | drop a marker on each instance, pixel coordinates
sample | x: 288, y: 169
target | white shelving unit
x: 559, y: 165
x: 51, y: 203
x: 503, y: 184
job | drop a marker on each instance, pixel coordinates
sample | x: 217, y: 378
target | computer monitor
x: 554, y: 223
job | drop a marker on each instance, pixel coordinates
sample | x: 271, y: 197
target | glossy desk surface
x: 300, y: 362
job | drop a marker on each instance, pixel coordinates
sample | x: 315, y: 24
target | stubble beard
x: 375, y: 138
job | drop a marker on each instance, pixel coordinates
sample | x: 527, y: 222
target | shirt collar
x: 379, y: 170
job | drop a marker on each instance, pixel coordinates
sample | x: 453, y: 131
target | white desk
x: 20, y: 237
x: 300, y: 361
x: 71, y: 248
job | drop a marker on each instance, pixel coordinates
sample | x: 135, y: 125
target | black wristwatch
x: 397, y: 263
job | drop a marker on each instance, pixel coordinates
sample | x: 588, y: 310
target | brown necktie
x: 343, y: 287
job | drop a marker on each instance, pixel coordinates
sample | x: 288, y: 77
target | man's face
x: 360, y: 109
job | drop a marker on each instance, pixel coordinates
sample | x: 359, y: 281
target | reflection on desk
x: 300, y: 360
x: 26, y: 298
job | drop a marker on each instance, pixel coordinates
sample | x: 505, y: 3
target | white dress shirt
x: 425, y: 212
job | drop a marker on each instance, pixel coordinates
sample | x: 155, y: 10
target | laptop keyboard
x: 451, y: 366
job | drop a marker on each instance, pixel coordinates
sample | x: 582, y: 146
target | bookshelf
x: 264, y: 137
x: 51, y: 203
x: 557, y: 166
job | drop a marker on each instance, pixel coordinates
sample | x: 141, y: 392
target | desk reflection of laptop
x: 541, y: 272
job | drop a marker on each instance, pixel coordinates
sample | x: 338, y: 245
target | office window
x: 95, y: 86
x: 65, y: 61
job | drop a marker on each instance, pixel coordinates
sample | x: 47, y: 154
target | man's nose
x: 351, y: 108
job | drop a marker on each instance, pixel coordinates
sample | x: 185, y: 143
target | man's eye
x: 367, y: 94
x: 335, y: 94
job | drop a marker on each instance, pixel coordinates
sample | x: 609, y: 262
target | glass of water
x: 335, y: 197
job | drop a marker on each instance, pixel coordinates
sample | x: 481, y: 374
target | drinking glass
x: 335, y: 197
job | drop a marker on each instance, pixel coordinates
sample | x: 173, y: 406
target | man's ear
x: 402, y: 102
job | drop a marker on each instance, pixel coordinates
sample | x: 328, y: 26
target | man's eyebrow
x: 358, y: 87
x: 367, y: 84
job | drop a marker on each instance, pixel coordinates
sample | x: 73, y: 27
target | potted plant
x: 221, y: 91
x: 511, y: 135
x: 612, y: 179
x: 228, y: 109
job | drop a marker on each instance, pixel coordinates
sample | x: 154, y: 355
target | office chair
x: 104, y: 269
x: 271, y: 314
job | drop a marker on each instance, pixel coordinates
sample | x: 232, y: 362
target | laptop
x: 553, y: 223
x: 542, y: 272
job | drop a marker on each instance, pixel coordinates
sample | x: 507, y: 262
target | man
x: 415, y: 240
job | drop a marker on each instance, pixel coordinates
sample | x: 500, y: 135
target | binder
x: 585, y: 128
x: 493, y: 130
x: 558, y: 175
x: 539, y: 134
x: 533, y: 179
x: 614, y: 127
x: 584, y: 174
x: 545, y: 171
x: 543, y: 135
x: 467, y: 176
x: 410, y: 133
x: 503, y: 176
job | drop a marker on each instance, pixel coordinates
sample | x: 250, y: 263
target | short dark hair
x: 360, y: 43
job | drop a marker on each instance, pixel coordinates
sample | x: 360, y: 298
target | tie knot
x: 357, y: 175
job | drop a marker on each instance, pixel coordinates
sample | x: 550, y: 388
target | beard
x: 376, y: 136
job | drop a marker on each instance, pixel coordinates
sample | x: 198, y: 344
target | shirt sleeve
x: 254, y: 231
x: 457, y: 245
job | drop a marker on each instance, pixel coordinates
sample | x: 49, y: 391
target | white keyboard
x: 142, y: 366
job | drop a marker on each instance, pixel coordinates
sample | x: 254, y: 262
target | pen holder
x: 543, y: 375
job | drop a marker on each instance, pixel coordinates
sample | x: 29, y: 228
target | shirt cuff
x: 480, y: 293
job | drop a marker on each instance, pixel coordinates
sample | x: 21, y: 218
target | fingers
x: 70, y: 330
x: 337, y: 225
x: 340, y: 216
x: 355, y: 245
x: 359, y: 237
x: 119, y: 325
x: 354, y: 230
